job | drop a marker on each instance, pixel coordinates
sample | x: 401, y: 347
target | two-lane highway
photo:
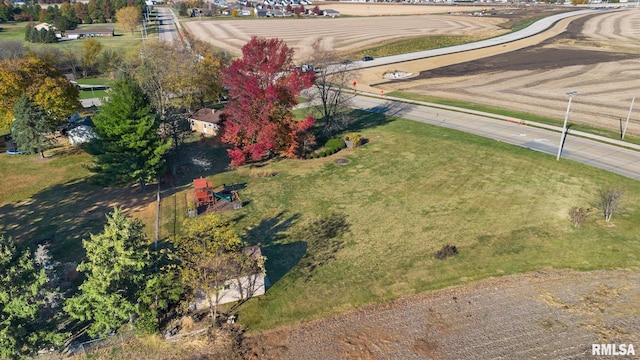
x: 616, y: 159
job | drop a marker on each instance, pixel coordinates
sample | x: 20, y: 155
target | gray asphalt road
x: 617, y: 159
x: 167, y: 26
x: 533, y: 29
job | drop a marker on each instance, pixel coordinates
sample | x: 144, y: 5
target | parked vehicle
x: 367, y: 58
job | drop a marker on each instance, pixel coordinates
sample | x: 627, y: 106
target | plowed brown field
x: 598, y: 56
x: 544, y: 315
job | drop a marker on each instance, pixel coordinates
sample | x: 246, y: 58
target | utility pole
x: 564, y: 126
x: 628, y: 116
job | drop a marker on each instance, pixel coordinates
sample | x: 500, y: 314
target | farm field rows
x: 597, y: 56
x: 340, y: 34
x: 547, y: 314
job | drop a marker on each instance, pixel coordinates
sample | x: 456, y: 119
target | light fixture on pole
x: 564, y: 126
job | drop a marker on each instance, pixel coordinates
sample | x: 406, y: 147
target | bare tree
x: 578, y: 216
x: 11, y: 49
x: 608, y: 201
x: 332, y: 79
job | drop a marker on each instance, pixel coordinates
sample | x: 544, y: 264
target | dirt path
x: 546, y: 315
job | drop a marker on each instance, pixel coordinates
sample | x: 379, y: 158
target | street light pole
x: 564, y: 126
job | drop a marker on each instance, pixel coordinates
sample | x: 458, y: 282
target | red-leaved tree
x: 263, y: 89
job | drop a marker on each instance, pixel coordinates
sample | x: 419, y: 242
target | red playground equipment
x: 207, y: 200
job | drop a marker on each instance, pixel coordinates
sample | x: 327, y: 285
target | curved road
x: 531, y: 30
x: 620, y: 160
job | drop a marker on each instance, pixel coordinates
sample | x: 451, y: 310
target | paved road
x: 619, y: 160
x: 168, y: 26
x: 533, y: 29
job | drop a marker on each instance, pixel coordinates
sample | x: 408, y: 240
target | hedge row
x: 331, y: 147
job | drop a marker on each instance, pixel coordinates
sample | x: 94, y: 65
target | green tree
x: 5, y: 12
x: 130, y: 148
x: 90, y: 50
x: 117, y: 270
x: 31, y: 127
x: 26, y: 320
x: 208, y: 251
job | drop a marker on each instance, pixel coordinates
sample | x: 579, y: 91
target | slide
x: 220, y: 196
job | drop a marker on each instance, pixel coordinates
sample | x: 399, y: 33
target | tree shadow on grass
x: 363, y: 119
x: 64, y: 214
x: 324, y: 239
x: 202, y: 158
x: 270, y: 235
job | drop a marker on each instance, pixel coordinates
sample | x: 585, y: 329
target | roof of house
x: 206, y: 115
x: 95, y: 31
x: 43, y: 25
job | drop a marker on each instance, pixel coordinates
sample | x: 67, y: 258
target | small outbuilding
x: 80, y: 131
x: 206, y: 121
x: 241, y: 285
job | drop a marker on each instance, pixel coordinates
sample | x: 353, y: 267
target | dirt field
x: 545, y: 315
x: 339, y: 34
x: 597, y: 55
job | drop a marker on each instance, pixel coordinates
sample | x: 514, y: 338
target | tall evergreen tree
x: 26, y: 324
x: 31, y: 127
x: 130, y: 148
x: 117, y: 269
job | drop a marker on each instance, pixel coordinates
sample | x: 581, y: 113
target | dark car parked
x: 367, y: 58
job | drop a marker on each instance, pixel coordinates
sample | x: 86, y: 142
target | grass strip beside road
x: 414, y: 44
x: 512, y: 113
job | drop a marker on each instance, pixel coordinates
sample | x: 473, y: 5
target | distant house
x: 206, y: 121
x: 81, y: 131
x: 45, y: 26
x: 85, y: 33
x: 240, y: 287
x: 330, y: 13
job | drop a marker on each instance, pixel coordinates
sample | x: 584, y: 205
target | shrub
x: 335, y: 144
x: 578, y: 216
x: 262, y: 173
x: 445, y: 252
x: 354, y: 138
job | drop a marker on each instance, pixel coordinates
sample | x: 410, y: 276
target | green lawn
x: 90, y: 94
x: 412, y: 189
x: 120, y: 42
x: 95, y: 81
x: 420, y: 43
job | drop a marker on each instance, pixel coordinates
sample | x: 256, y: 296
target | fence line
x: 95, y: 344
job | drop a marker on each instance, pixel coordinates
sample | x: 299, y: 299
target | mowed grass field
x: 121, y: 40
x: 409, y: 191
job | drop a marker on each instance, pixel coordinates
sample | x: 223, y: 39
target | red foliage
x: 263, y: 90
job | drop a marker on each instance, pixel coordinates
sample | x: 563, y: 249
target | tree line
x: 67, y: 15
